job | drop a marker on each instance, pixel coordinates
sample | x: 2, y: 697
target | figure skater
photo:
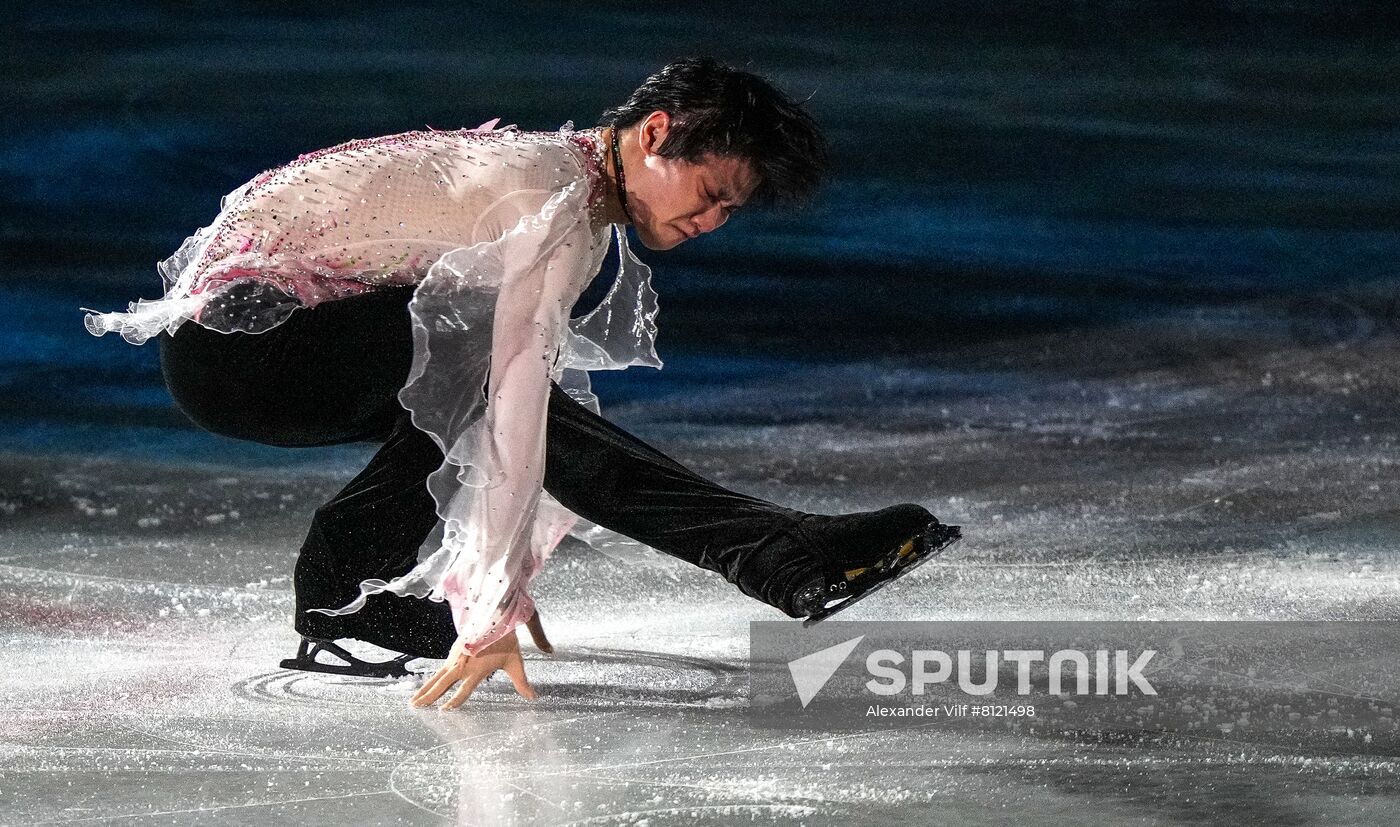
x: 414, y: 290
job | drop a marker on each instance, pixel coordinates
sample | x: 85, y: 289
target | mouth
x: 688, y: 235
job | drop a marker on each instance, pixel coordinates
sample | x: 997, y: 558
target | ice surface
x: 1201, y: 467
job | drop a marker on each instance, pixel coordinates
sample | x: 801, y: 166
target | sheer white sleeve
x: 489, y: 320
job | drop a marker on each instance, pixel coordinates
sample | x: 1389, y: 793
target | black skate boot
x: 863, y: 552
x: 415, y: 627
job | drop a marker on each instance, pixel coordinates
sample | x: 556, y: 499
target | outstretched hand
x: 504, y: 654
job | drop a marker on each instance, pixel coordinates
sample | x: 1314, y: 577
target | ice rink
x: 1205, y: 468
x: 1112, y: 287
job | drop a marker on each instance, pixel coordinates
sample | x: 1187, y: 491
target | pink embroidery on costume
x: 221, y: 246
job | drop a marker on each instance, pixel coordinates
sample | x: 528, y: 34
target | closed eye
x: 730, y: 210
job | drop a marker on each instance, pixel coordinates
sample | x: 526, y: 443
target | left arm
x: 542, y: 262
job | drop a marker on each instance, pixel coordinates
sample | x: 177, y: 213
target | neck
x: 612, y: 201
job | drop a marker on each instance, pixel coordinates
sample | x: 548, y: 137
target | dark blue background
x: 999, y: 168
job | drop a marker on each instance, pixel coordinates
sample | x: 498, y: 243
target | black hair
x: 722, y: 110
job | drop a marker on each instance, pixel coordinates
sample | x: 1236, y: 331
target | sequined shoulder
x: 587, y: 151
x: 586, y: 146
x: 589, y: 143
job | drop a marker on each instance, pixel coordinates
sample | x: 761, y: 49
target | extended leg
x: 775, y: 554
x: 612, y: 478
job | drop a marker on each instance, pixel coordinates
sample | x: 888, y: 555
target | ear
x: 653, y: 131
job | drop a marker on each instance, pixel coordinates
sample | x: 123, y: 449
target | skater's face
x: 673, y: 200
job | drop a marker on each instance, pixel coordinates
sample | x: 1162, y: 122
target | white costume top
x: 501, y: 231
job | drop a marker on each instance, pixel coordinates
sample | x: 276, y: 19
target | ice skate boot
x: 864, y: 552
x: 410, y: 627
x: 310, y: 647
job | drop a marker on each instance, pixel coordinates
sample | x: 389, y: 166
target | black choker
x: 621, y: 179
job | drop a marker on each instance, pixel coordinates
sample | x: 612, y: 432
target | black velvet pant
x: 331, y: 374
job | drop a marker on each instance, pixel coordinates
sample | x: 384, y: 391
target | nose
x: 711, y: 220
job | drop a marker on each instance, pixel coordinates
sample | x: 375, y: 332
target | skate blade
x: 933, y: 541
x: 353, y: 667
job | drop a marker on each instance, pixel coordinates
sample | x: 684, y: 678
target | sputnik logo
x: 811, y: 672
